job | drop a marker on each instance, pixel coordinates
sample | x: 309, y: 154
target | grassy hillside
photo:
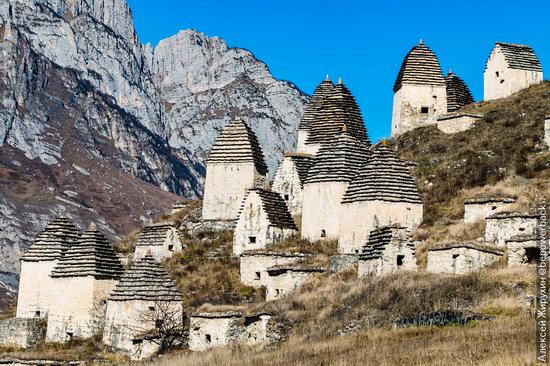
x: 341, y: 320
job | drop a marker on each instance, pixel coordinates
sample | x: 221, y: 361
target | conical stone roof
x: 378, y: 239
x: 338, y: 108
x: 339, y: 161
x: 154, y: 234
x: 519, y: 57
x: 147, y: 281
x: 384, y: 178
x: 314, y: 106
x: 92, y: 255
x: 238, y: 144
x: 51, y: 243
x: 458, y: 93
x: 275, y: 207
x: 420, y: 67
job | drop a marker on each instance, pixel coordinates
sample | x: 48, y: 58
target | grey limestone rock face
x: 89, y: 116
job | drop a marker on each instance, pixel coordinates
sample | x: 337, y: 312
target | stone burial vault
x: 461, y: 258
x: 160, y: 239
x: 143, y: 307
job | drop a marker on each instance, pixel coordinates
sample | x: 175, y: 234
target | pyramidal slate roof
x: 520, y: 57
x: 420, y: 67
x: 92, y: 255
x: 275, y: 207
x: 303, y: 163
x: 377, y: 241
x: 458, y: 93
x: 338, y: 161
x: 51, y: 243
x: 384, y: 178
x: 238, y: 144
x: 339, y: 108
x: 154, y: 234
x: 312, y: 108
x: 146, y: 280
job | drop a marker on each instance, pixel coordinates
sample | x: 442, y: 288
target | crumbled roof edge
x: 475, y: 200
x: 480, y: 247
x: 454, y: 115
x: 266, y: 252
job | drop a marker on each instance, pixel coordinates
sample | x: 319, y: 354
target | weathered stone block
x: 283, y: 280
x: 461, y: 258
x: 480, y: 208
x: 21, y: 332
x: 456, y: 122
x: 254, y: 265
x: 505, y: 225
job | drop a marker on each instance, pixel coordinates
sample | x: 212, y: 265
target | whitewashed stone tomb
x: 143, y: 307
x: 382, y: 193
x: 389, y: 249
x: 482, y: 207
x: 503, y: 226
x: 461, y: 258
x: 289, y: 180
x: 82, y: 280
x: 282, y: 280
x: 160, y: 239
x: 264, y: 220
x: 236, y: 163
x: 509, y: 69
x: 254, y: 265
x: 35, y: 285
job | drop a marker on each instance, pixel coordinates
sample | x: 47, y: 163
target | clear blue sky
x: 363, y: 42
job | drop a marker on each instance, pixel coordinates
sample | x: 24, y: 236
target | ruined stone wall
x: 456, y: 122
x: 508, y: 81
x: 458, y: 260
x: 517, y: 250
x: 407, y: 106
x: 205, y: 333
x: 498, y: 230
x: 321, y: 210
x: 79, y: 308
x: 285, y: 283
x: 171, y: 245
x: 287, y: 183
x: 254, y: 266
x: 35, y: 289
x: 359, y: 218
x: 480, y: 211
x: 126, y: 321
x: 387, y: 263
x: 22, y: 333
x: 225, y: 187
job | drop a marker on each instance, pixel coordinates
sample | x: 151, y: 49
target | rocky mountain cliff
x: 95, y: 125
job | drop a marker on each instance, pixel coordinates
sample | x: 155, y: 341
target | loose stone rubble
x: 161, y: 239
x: 143, y: 299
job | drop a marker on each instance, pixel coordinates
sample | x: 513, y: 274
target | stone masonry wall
x: 547, y: 130
x: 321, y: 210
x: 80, y: 311
x: 480, y: 211
x: 456, y: 122
x: 282, y: 284
x: 458, y: 260
x: 35, y: 289
x: 171, y: 245
x: 125, y: 321
x: 508, y: 81
x: 359, y: 218
x: 500, y: 229
x: 22, y: 333
x: 408, y: 102
x: 225, y: 187
x: 287, y: 183
x: 517, y: 250
x: 387, y: 263
x: 254, y: 265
